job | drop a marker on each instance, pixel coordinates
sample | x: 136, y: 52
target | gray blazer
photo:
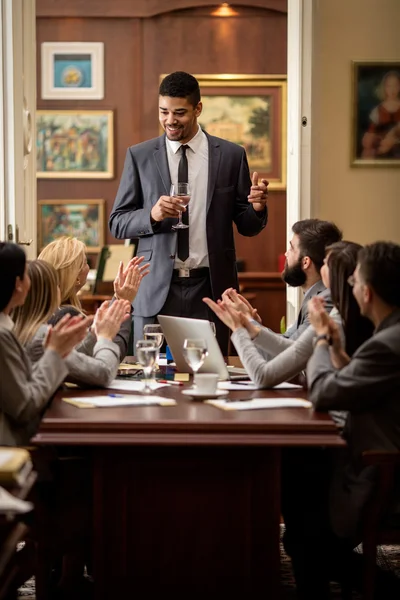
x: 97, y: 370
x: 145, y: 178
x: 25, y: 391
x: 369, y: 388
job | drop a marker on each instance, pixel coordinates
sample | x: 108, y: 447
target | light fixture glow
x: 225, y: 10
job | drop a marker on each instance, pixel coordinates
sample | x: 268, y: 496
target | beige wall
x: 364, y: 201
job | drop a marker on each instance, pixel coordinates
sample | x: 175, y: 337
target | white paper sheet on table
x: 133, y: 386
x: 257, y: 403
x: 109, y: 402
x: 249, y: 385
x: 235, y: 385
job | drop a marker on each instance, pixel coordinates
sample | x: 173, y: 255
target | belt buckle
x: 183, y: 272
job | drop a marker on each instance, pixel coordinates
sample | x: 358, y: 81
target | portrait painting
x: 249, y: 110
x: 83, y: 219
x: 72, y: 70
x: 376, y: 114
x: 74, y: 144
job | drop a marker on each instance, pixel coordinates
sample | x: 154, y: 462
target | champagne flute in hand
x: 195, y: 352
x: 182, y: 192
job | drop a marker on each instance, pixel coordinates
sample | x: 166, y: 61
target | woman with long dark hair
x: 290, y: 357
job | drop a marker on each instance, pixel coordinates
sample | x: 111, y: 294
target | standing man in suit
x: 199, y: 261
x: 323, y: 521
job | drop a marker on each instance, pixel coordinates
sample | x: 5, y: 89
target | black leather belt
x: 201, y: 272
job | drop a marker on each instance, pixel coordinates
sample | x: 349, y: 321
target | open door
x: 17, y: 123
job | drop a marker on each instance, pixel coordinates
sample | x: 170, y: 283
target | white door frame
x: 299, y: 73
x: 17, y: 122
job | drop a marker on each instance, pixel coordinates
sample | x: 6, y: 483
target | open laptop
x: 177, y: 329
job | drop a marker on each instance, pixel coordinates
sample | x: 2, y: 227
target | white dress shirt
x: 197, y: 156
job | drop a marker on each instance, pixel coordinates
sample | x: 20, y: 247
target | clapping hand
x: 318, y: 316
x: 258, y: 193
x: 109, y: 318
x: 240, y: 303
x: 127, y: 281
x: 228, y: 315
x: 67, y: 333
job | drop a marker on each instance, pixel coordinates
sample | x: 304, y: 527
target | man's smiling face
x: 178, y: 118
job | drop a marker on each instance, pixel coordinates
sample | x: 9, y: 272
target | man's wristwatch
x: 322, y: 336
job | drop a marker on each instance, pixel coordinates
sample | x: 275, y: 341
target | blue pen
x: 115, y: 396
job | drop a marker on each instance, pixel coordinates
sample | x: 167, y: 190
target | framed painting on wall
x: 376, y: 114
x: 83, y: 219
x: 74, y: 144
x: 249, y: 110
x: 72, y: 70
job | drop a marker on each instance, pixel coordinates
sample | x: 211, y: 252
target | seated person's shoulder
x: 66, y: 309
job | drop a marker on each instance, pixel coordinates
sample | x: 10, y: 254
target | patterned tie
x: 183, y: 234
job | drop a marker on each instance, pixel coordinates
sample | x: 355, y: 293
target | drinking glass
x: 214, y: 330
x: 195, y: 352
x: 153, y: 332
x: 182, y: 191
x: 146, y: 354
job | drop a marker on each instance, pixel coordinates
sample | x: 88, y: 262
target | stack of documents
x: 114, y: 400
x: 258, y: 403
x: 15, y: 466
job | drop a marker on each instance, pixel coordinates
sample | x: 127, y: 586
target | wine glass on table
x: 146, y: 355
x: 181, y: 191
x: 154, y: 332
x: 195, y: 352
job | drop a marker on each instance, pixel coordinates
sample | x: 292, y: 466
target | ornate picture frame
x: 249, y: 110
x: 75, y: 144
x: 83, y: 219
x: 375, y: 114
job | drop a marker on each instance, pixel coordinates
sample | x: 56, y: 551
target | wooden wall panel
x: 122, y: 55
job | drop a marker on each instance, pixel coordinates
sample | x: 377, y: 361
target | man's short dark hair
x: 12, y: 265
x: 181, y: 85
x: 315, y: 235
x: 379, y: 266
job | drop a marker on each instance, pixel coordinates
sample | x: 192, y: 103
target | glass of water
x: 154, y: 333
x: 195, y: 352
x: 146, y: 354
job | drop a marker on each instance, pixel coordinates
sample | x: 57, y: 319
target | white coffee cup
x: 206, y: 383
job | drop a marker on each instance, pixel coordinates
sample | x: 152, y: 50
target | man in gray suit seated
x: 321, y: 532
x: 188, y: 264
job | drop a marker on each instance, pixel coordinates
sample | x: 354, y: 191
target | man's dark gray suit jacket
x: 369, y: 389
x: 145, y: 178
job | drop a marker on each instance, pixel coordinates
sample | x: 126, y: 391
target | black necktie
x: 183, y: 234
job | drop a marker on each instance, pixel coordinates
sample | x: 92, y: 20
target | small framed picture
x: 376, y: 114
x: 73, y: 144
x: 83, y: 219
x: 72, y: 70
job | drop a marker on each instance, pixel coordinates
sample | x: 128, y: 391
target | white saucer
x: 203, y: 396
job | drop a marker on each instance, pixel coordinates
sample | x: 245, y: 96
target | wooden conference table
x: 186, y: 498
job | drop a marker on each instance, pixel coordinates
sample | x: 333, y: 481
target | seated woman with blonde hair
x: 31, y: 328
x: 68, y: 256
x: 26, y: 390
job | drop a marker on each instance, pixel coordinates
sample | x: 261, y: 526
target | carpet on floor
x: 388, y: 559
